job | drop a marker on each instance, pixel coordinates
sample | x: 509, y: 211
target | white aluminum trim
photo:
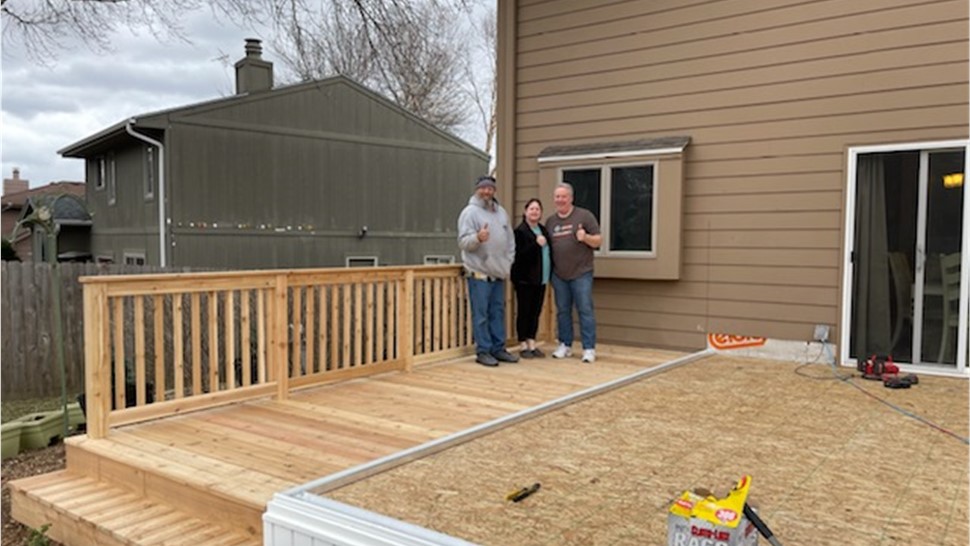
x: 325, y: 521
x: 963, y: 329
x: 610, y: 155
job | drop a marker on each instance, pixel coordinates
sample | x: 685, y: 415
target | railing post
x: 406, y: 319
x: 279, y: 331
x: 97, y: 364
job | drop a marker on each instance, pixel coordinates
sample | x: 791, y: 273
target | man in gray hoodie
x: 487, y: 246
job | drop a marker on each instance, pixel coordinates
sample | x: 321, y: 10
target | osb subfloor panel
x: 250, y: 451
x: 830, y: 464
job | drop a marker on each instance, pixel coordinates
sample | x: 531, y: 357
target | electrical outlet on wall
x: 821, y: 333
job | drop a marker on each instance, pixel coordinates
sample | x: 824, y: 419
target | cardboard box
x: 697, y: 520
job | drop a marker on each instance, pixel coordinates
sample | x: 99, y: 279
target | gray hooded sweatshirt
x: 494, y: 256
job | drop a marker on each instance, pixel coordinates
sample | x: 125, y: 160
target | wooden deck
x: 204, y: 478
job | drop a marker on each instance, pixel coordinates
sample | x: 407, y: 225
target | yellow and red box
x: 706, y: 520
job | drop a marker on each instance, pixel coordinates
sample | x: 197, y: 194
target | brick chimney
x: 253, y: 74
x: 15, y: 184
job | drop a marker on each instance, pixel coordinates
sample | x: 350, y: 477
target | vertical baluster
x: 229, y: 318
x: 178, y: 351
x: 311, y: 334
x: 245, y: 345
x: 380, y: 331
x: 196, y: 303
x: 158, y: 307
x: 119, y: 352
x: 345, y: 361
x: 139, y: 325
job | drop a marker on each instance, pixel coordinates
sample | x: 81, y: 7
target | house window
x: 112, y: 181
x: 101, y: 176
x: 437, y: 259
x: 149, y: 172
x: 134, y: 258
x: 635, y: 190
x: 622, y: 198
x: 362, y: 261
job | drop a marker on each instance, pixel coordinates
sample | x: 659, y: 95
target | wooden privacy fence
x: 158, y: 345
x: 28, y: 352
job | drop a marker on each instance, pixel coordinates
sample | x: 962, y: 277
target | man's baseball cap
x: 484, y: 181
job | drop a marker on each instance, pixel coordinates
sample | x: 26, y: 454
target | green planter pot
x: 10, y: 438
x: 40, y: 429
x: 74, y: 414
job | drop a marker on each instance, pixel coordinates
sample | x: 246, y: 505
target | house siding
x: 771, y: 94
x: 288, y: 178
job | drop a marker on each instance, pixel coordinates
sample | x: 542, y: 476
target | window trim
x: 134, y: 255
x: 437, y: 258
x: 374, y: 259
x: 669, y: 202
x: 606, y: 213
x: 150, y: 180
x: 100, y: 172
x: 112, y: 182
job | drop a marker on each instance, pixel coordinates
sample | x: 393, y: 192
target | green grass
x: 12, y: 409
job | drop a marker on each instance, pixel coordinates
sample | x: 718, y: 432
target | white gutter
x: 161, y: 188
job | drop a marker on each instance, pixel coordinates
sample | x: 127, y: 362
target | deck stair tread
x: 76, y: 504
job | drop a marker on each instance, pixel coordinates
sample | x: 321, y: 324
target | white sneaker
x: 562, y: 351
x: 589, y: 356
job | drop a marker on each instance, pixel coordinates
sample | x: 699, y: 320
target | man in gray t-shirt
x: 575, y: 234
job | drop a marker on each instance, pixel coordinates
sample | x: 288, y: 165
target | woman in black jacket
x: 530, y: 275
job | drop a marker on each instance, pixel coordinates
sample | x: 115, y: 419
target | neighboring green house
x: 322, y: 173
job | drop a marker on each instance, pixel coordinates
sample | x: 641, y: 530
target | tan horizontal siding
x: 763, y: 29
x: 771, y: 95
x: 939, y: 82
x: 601, y: 13
x: 801, y: 201
x: 657, y: 337
x: 757, y: 148
x: 759, y: 238
x: 758, y: 69
x: 804, y: 273
x: 704, y: 127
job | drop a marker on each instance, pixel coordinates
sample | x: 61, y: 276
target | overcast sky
x: 46, y: 108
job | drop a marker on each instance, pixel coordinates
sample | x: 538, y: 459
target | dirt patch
x: 29, y: 463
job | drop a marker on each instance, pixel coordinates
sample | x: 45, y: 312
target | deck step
x: 83, y: 511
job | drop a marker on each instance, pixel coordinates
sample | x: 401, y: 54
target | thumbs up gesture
x: 541, y: 240
x: 581, y: 234
x: 483, y: 234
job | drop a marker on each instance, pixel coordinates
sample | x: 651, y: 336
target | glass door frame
x: 853, y: 154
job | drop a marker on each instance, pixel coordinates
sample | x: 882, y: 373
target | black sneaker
x: 527, y: 353
x: 486, y: 359
x: 537, y: 353
x: 505, y: 356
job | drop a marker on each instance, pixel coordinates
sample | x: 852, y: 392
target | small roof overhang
x: 610, y: 150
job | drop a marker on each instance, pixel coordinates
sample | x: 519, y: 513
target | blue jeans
x: 488, y: 315
x: 580, y: 292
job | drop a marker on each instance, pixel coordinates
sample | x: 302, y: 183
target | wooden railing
x: 158, y: 345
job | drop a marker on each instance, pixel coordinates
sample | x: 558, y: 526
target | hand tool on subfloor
x: 760, y: 525
x: 521, y: 494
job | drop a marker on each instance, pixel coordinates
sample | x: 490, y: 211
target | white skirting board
x: 310, y: 520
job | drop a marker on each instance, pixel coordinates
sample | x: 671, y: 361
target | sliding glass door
x: 906, y: 242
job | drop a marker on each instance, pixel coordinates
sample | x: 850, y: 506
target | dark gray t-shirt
x: 571, y: 258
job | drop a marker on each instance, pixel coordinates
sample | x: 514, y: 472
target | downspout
x: 161, y: 188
